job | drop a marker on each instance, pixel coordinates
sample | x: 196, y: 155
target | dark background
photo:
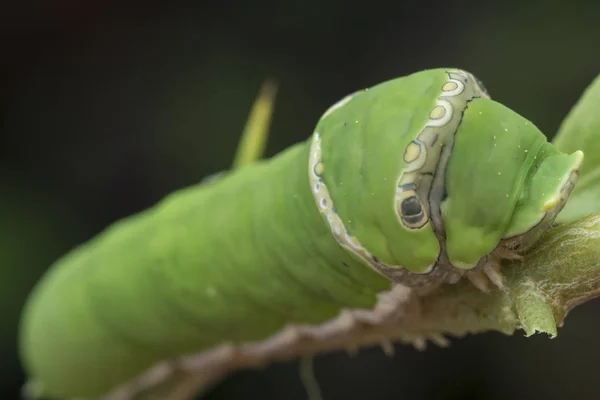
x: 104, y: 109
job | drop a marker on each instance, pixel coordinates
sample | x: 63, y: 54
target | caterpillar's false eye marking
x: 412, y: 212
x: 438, y: 112
x: 415, y: 155
x: 453, y: 88
x: 449, y: 86
x: 412, y: 152
x: 410, y: 208
x: 441, y: 114
x: 423, y: 154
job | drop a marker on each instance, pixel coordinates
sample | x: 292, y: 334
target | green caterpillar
x: 418, y: 181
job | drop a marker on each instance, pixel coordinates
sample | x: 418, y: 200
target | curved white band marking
x: 338, y: 105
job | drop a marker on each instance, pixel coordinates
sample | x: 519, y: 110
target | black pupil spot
x: 411, y: 207
x: 412, y: 212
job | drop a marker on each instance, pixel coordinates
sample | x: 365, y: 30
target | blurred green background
x: 105, y: 108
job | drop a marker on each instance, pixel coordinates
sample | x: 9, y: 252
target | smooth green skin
x: 240, y: 257
x: 235, y: 260
x: 363, y: 147
x: 501, y: 173
x: 579, y: 130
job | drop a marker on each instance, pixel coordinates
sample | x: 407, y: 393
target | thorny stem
x: 562, y: 272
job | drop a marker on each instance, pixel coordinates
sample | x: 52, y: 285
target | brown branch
x: 562, y: 272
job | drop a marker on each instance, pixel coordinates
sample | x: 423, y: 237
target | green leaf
x: 580, y: 130
x: 254, y: 138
